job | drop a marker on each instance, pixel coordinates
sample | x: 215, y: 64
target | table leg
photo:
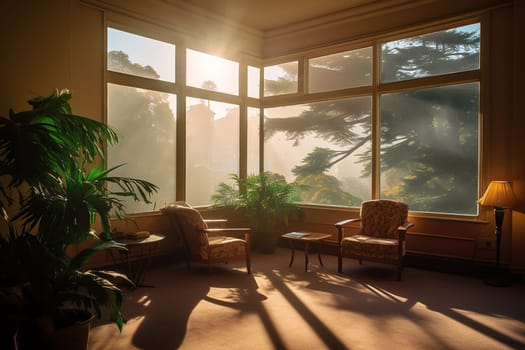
x: 142, y: 266
x: 319, y: 253
x: 121, y: 261
x: 306, y: 245
x: 293, y: 252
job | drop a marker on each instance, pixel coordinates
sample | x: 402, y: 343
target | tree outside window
x: 428, y: 136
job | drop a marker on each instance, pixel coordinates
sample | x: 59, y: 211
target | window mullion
x: 376, y: 130
x: 180, y: 74
x: 243, y: 122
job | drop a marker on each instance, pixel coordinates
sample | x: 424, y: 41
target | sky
x: 145, y: 51
x: 201, y: 67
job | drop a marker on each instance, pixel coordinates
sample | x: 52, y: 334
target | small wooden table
x: 306, y: 238
x: 140, y: 250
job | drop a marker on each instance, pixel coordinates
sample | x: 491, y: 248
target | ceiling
x: 265, y: 15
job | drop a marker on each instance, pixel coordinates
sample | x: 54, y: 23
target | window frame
x: 181, y: 90
x: 180, y: 40
x: 376, y: 89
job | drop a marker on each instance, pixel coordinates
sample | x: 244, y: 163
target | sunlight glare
x: 202, y: 68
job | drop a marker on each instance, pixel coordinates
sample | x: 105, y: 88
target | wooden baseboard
x: 435, y: 263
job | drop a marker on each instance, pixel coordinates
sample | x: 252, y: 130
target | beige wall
x: 60, y: 44
x: 51, y: 45
x: 518, y: 128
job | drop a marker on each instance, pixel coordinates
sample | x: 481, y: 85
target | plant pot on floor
x: 69, y: 333
x: 267, y: 242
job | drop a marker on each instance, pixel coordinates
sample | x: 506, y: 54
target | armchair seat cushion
x: 365, y: 246
x: 222, y: 247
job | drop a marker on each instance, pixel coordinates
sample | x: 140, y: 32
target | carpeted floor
x: 278, y: 307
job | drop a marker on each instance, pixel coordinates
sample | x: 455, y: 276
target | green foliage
x: 56, y: 282
x: 119, y: 61
x: 54, y: 194
x: 325, y: 189
x: 41, y: 145
x: 266, y: 199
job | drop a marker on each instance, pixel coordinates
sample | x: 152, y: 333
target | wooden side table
x: 140, y: 251
x: 306, y: 238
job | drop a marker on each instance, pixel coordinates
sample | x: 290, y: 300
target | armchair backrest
x: 382, y: 217
x: 190, y: 225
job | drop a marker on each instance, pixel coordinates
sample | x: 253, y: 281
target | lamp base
x: 499, y: 278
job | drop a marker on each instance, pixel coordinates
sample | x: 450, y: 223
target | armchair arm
x: 401, y: 230
x: 347, y: 221
x: 340, y: 229
x: 215, y: 222
x: 406, y: 226
x: 238, y: 232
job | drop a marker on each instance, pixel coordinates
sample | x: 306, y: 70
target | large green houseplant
x: 51, y: 197
x: 266, y: 200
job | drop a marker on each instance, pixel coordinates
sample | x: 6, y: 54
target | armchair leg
x: 248, y: 259
x: 400, y: 267
x: 399, y: 271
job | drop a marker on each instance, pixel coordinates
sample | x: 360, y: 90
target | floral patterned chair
x: 381, y: 237
x: 210, y: 245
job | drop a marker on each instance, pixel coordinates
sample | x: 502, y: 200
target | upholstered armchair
x: 381, y: 236
x: 209, y: 245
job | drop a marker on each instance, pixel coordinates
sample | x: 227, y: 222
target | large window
x: 390, y: 118
x: 142, y: 97
x: 429, y: 135
x: 422, y: 146
x: 143, y: 118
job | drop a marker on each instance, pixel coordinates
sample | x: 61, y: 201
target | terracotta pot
x: 267, y: 242
x: 71, y: 335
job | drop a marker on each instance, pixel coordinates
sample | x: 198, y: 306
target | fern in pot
x: 266, y: 200
x: 51, y: 195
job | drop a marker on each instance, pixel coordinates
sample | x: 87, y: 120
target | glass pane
x: 211, y: 72
x: 326, y: 147
x: 429, y: 148
x: 448, y: 51
x: 137, y: 55
x: 145, y: 123
x: 212, y: 147
x: 253, y: 141
x: 281, y: 79
x: 340, y: 71
x: 254, y: 79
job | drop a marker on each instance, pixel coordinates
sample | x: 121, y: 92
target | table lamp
x: 500, y: 196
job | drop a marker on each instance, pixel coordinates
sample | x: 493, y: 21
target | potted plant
x: 267, y: 201
x: 51, y: 197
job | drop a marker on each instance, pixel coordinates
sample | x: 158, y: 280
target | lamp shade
x: 498, y: 194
